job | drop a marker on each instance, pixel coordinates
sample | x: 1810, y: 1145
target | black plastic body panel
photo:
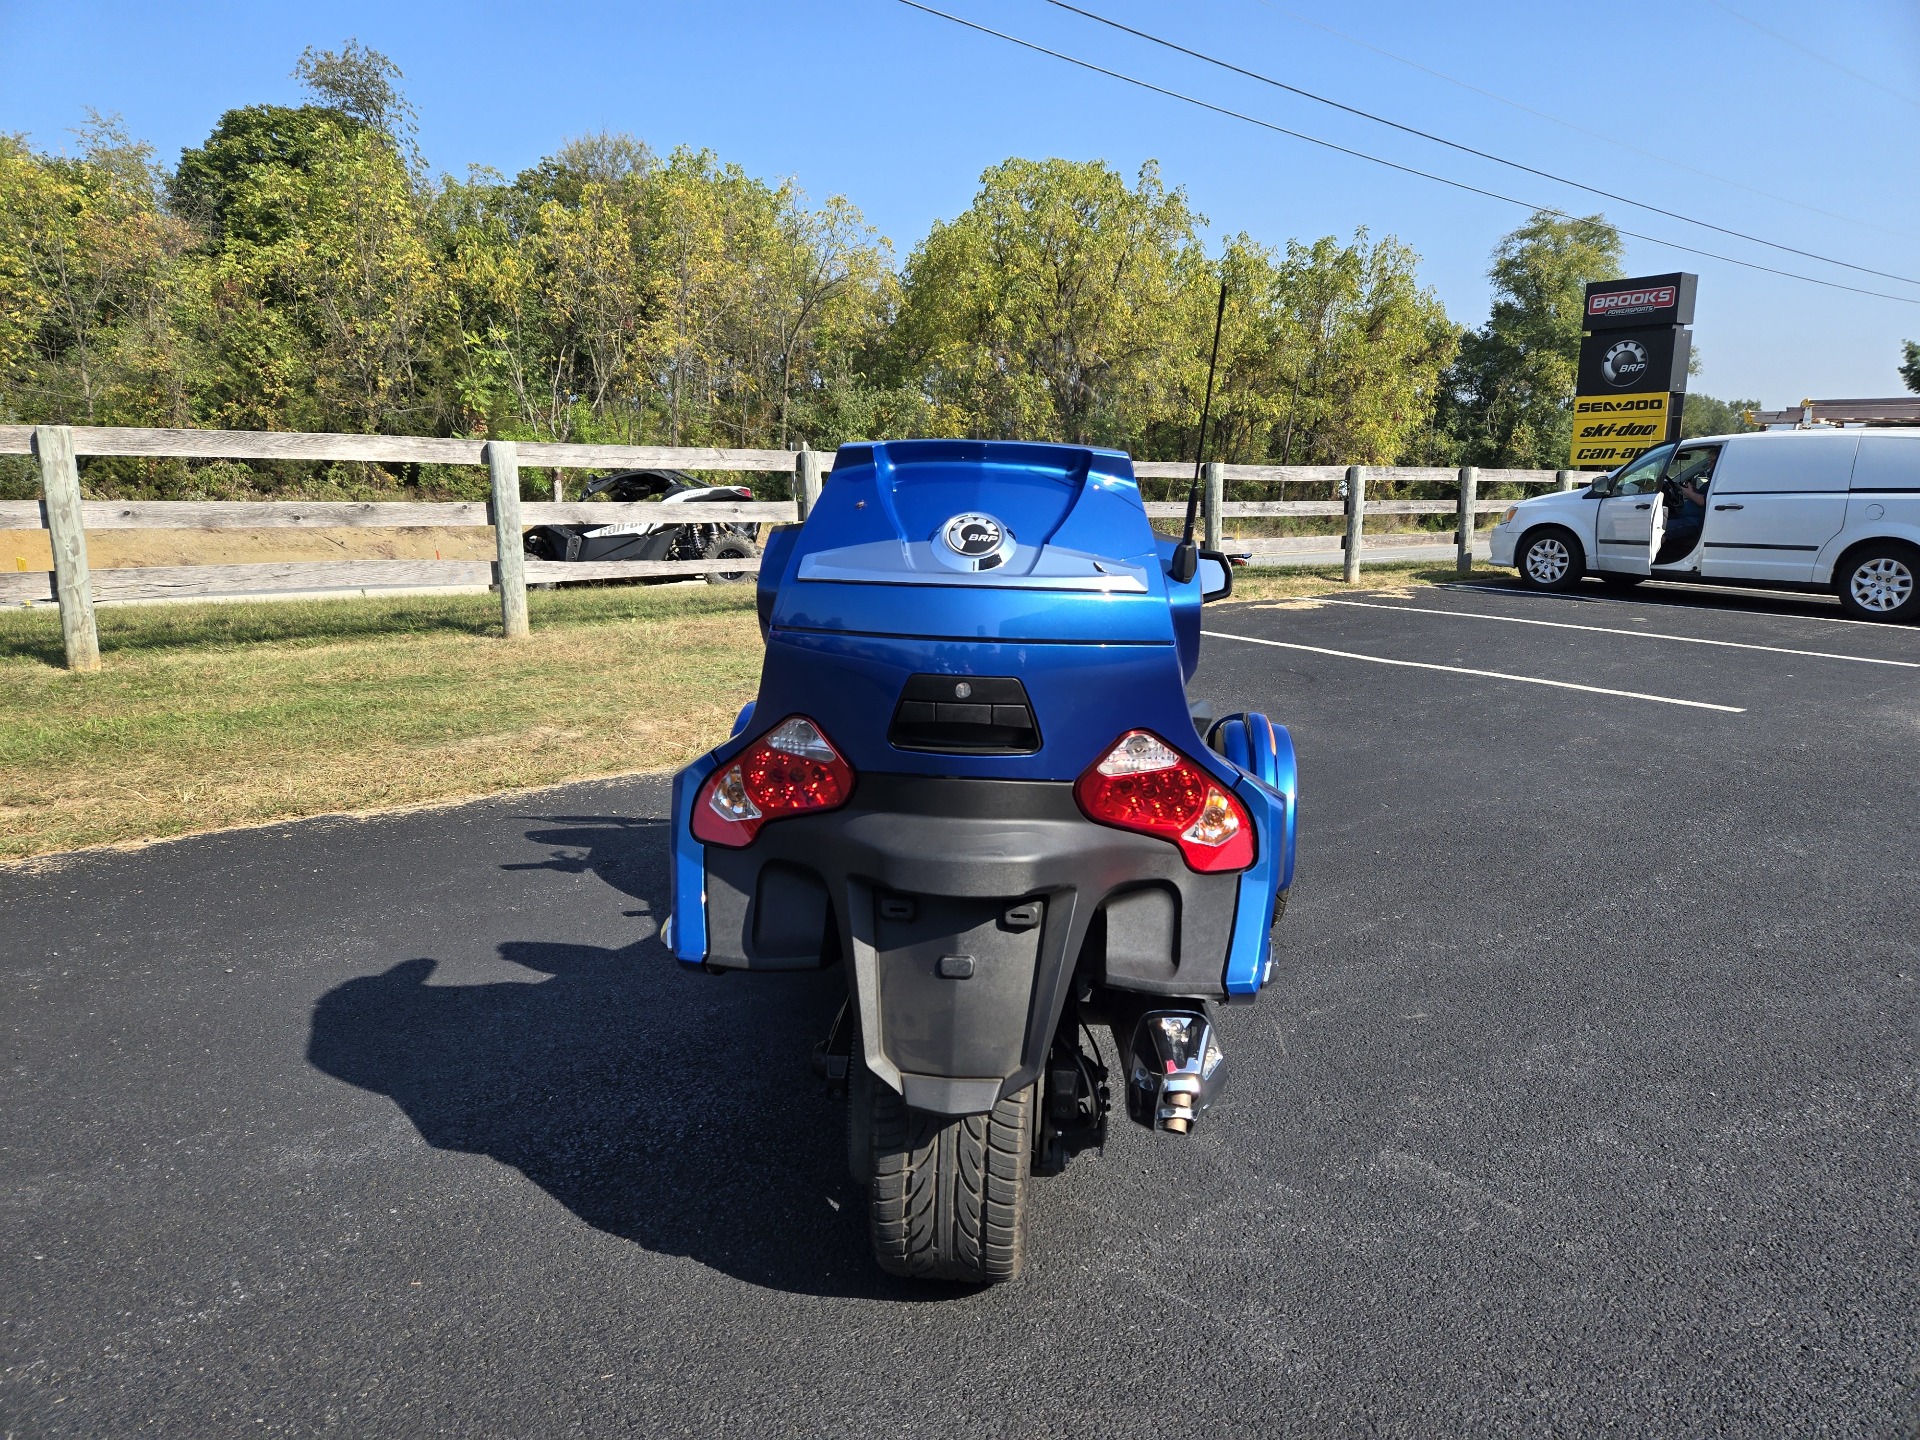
x: 918, y: 870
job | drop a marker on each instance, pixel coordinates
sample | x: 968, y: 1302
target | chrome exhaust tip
x: 1173, y: 1069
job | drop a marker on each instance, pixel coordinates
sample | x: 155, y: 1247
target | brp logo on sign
x: 1625, y: 364
x: 976, y: 541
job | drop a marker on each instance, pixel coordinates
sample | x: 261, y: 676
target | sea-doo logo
x: 1626, y: 364
x: 1633, y: 302
x: 1649, y: 404
x: 974, y: 536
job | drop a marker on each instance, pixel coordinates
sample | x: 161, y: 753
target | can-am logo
x: 1633, y: 302
x: 1626, y: 364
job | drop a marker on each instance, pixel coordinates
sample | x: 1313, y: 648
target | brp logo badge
x: 1625, y: 365
x: 976, y: 542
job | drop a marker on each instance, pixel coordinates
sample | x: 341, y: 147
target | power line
x: 1377, y: 160
x: 1470, y: 150
x: 1815, y: 54
x: 1559, y: 120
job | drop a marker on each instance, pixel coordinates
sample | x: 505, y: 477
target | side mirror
x: 1215, y: 575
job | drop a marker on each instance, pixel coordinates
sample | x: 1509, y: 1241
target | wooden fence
x: 67, y: 517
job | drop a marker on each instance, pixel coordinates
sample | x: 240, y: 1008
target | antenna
x: 1186, y: 559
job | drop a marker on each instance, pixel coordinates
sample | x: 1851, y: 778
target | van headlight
x: 1512, y: 510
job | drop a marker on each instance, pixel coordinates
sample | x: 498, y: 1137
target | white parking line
x: 1483, y: 674
x: 1611, y: 630
x: 1671, y: 588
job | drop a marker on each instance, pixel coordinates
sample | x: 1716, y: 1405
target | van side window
x: 1643, y: 474
x: 1692, y: 466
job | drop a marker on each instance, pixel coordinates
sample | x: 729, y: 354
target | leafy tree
x: 1705, y: 415
x: 1332, y: 354
x: 203, y: 188
x: 606, y: 294
x: 1054, y: 306
x: 322, y: 289
x: 88, y: 266
x: 1910, y: 365
x: 318, y: 288
x: 1509, y: 397
x: 364, y: 85
x: 757, y: 297
x: 824, y: 292
x: 605, y: 157
x: 298, y: 270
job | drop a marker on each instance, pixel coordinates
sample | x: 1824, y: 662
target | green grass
x: 214, y: 715
x: 205, y: 716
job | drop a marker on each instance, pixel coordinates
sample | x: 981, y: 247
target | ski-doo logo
x: 1633, y: 302
x: 1626, y: 364
x: 974, y: 536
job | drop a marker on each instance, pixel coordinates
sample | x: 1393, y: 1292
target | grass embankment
x: 213, y: 715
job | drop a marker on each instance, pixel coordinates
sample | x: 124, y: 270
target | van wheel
x: 1880, y: 581
x: 1550, y: 558
x: 947, y: 1194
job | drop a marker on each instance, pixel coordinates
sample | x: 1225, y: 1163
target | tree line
x: 301, y: 270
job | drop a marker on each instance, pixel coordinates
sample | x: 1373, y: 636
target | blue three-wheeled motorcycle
x: 973, y: 779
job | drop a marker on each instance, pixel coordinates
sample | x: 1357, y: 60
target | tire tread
x: 948, y: 1194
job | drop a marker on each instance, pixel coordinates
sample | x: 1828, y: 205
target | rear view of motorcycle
x: 972, y: 779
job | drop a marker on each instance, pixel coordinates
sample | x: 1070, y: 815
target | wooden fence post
x: 1564, y: 478
x: 807, y: 482
x: 503, y: 468
x: 1469, y: 493
x: 72, y: 581
x: 1356, y: 518
x: 1215, y: 478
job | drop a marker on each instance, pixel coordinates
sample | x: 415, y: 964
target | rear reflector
x: 1144, y: 784
x: 791, y: 770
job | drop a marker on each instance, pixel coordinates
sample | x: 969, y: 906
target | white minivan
x: 1832, y: 509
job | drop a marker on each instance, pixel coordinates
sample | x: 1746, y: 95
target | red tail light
x: 1145, y: 784
x: 793, y: 769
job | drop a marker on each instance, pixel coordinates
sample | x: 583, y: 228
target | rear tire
x: 729, y: 547
x: 947, y: 1194
x: 1550, y: 558
x: 1880, y: 581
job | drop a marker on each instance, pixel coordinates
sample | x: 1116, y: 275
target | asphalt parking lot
x: 1584, y: 1101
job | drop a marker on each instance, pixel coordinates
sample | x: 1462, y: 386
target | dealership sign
x: 1615, y: 362
x: 1650, y: 300
x: 1632, y: 381
x: 1611, y: 430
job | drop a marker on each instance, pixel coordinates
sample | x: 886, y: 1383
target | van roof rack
x: 1896, y: 410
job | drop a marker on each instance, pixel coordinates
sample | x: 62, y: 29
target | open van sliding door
x: 1633, y: 517
x: 1776, y: 500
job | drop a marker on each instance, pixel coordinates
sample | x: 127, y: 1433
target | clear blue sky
x: 901, y: 112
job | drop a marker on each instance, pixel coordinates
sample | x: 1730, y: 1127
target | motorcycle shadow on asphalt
x: 671, y: 1108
